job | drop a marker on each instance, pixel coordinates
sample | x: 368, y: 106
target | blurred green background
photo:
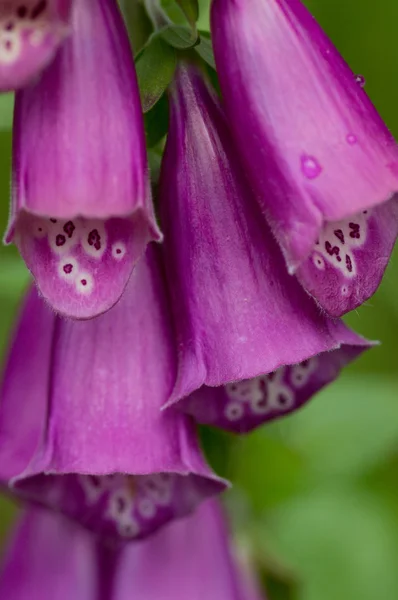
x: 315, y: 503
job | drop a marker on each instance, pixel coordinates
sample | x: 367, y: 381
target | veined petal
x: 320, y: 158
x: 238, y: 314
x: 82, y: 212
x: 50, y: 559
x: 244, y: 405
x: 192, y: 559
x: 102, y: 451
x: 30, y: 33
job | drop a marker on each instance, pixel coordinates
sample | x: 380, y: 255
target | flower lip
x: 70, y: 166
x: 88, y: 392
x: 322, y: 156
x: 30, y: 34
x: 239, y: 316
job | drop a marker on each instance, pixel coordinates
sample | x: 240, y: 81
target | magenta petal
x: 30, y: 33
x: 48, y: 559
x: 244, y: 405
x: 238, y: 314
x: 96, y: 445
x: 191, y: 560
x: 315, y: 148
x: 349, y: 258
x: 81, y: 197
x: 81, y: 265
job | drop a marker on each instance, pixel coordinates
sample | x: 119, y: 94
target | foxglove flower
x: 82, y: 212
x: 193, y: 559
x: 81, y: 430
x: 49, y: 559
x: 323, y: 164
x: 30, y: 33
x: 239, y: 316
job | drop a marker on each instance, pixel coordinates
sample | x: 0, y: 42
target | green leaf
x: 204, y: 18
x: 155, y: 163
x: 156, y: 122
x: 205, y: 50
x: 190, y: 9
x: 6, y: 110
x: 341, y: 543
x: 266, y: 469
x: 138, y: 24
x: 8, y: 512
x: 155, y: 68
x: 179, y: 37
x: 348, y: 429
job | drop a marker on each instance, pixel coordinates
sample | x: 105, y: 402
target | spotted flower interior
x: 81, y: 265
x: 244, y: 405
x: 29, y: 35
x: 350, y: 257
x: 117, y: 507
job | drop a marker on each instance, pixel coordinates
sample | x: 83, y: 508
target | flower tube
x: 238, y: 314
x: 81, y: 430
x: 81, y: 211
x: 322, y: 162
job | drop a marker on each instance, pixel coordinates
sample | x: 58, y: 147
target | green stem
x: 157, y: 14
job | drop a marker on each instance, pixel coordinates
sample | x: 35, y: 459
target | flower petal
x: 238, y: 314
x: 49, y: 559
x: 30, y: 33
x: 81, y: 196
x: 103, y: 452
x: 316, y: 151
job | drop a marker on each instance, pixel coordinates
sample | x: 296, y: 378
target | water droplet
x: 351, y: 139
x: 310, y: 167
x: 360, y: 80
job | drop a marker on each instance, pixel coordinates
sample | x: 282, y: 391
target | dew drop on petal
x: 360, y: 80
x: 310, y: 167
x: 351, y: 139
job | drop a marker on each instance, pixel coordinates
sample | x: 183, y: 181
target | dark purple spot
x: 8, y: 45
x: 69, y: 228
x: 96, y: 481
x: 118, y: 251
x: 60, y: 239
x: 83, y: 281
x: 283, y: 400
x: 348, y: 263
x: 121, y: 504
x: 151, y: 485
x: 9, y: 26
x: 53, y: 220
x: 22, y: 11
x: 305, y: 363
x: 339, y: 234
x: 365, y: 212
x: 355, y: 230
x: 94, y: 239
x: 40, y: 229
x: 271, y: 376
x: 333, y: 250
x: 68, y: 268
x: 38, y: 9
